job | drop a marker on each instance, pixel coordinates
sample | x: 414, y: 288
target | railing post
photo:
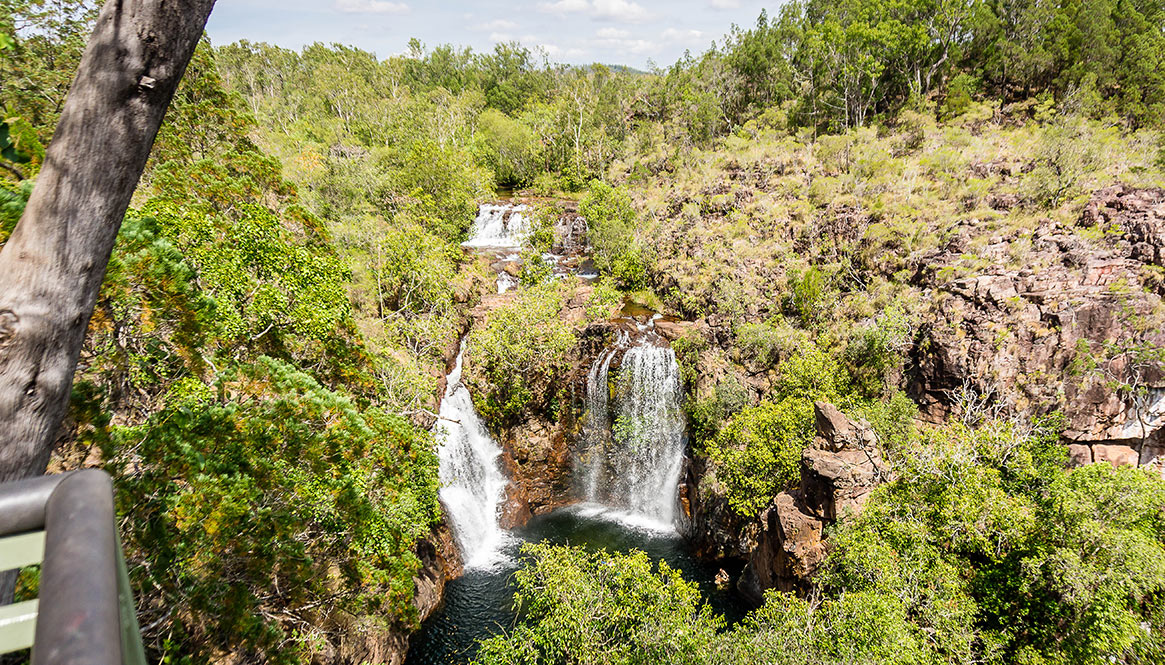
x: 79, y: 621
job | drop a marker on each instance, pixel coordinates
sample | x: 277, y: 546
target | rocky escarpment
x: 365, y: 639
x: 1077, y: 328
x: 838, y: 471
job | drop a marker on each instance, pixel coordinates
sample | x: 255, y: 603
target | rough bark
x: 52, y: 267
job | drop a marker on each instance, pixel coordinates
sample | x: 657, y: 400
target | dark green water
x: 478, y: 604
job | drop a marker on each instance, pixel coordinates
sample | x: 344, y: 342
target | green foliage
x: 509, y: 148
x: 959, y: 96
x: 12, y: 202
x: 851, y: 628
x: 602, y: 608
x: 41, y: 42
x: 984, y: 549
x: 1066, y: 153
x: 999, y: 553
x: 542, y: 221
x: 810, y: 295
x: 8, y: 149
x: 876, y: 352
x: 763, y: 345
x: 611, y: 227
x: 265, y: 492
x: 708, y: 414
x: 518, y: 352
x: 758, y: 454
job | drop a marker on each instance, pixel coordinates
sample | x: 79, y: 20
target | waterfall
x: 596, y: 432
x: 638, y: 469
x: 499, y: 226
x: 472, y: 485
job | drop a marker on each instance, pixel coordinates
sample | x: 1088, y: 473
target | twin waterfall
x: 632, y: 444
x: 499, y: 226
x: 634, y: 433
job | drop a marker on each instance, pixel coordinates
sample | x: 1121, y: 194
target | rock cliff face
x: 1077, y: 329
x: 365, y: 640
x: 838, y: 472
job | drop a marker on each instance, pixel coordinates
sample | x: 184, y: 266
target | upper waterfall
x: 499, y: 226
x: 472, y: 485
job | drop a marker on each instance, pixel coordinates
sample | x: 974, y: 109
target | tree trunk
x: 52, y: 267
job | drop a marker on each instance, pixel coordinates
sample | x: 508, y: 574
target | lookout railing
x: 85, y: 613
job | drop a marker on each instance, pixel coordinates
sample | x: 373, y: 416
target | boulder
x: 838, y: 472
x: 1116, y: 455
x: 788, y: 552
x: 1079, y: 454
x: 842, y: 466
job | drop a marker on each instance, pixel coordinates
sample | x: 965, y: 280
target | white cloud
x: 675, y: 36
x: 725, y: 4
x: 371, y: 7
x: 610, y: 10
x: 495, y: 25
x: 620, y: 10
x: 501, y: 37
x: 612, y: 33
x: 565, y: 6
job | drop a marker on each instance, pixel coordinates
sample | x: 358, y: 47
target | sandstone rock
x: 673, y: 330
x: 713, y: 529
x: 789, y: 550
x: 842, y: 466
x: 1138, y: 213
x: 1153, y: 457
x: 1079, y: 455
x: 838, y: 472
x: 1116, y: 455
x: 440, y: 562
x: 1011, y: 337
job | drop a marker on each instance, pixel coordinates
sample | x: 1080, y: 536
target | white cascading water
x: 499, y: 226
x: 596, y: 434
x: 638, y: 470
x: 472, y: 485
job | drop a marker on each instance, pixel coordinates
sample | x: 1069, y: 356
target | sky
x: 635, y: 33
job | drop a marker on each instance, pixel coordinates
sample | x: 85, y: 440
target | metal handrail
x: 85, y: 613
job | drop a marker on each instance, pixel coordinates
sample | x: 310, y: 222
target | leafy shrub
x: 998, y: 552
x: 708, y: 414
x: 813, y: 373
x: 762, y: 345
x: 507, y: 147
x: 877, y: 350
x: 518, y: 353
x: 758, y: 454
x: 611, y: 232
x: 12, y: 201
x: 263, y: 493
x: 960, y: 90
x: 602, y: 608
x: 810, y: 294
x: 1067, y: 152
x: 867, y: 628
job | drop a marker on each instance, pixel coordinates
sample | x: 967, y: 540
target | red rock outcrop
x: 838, y: 472
x: 1066, y: 331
